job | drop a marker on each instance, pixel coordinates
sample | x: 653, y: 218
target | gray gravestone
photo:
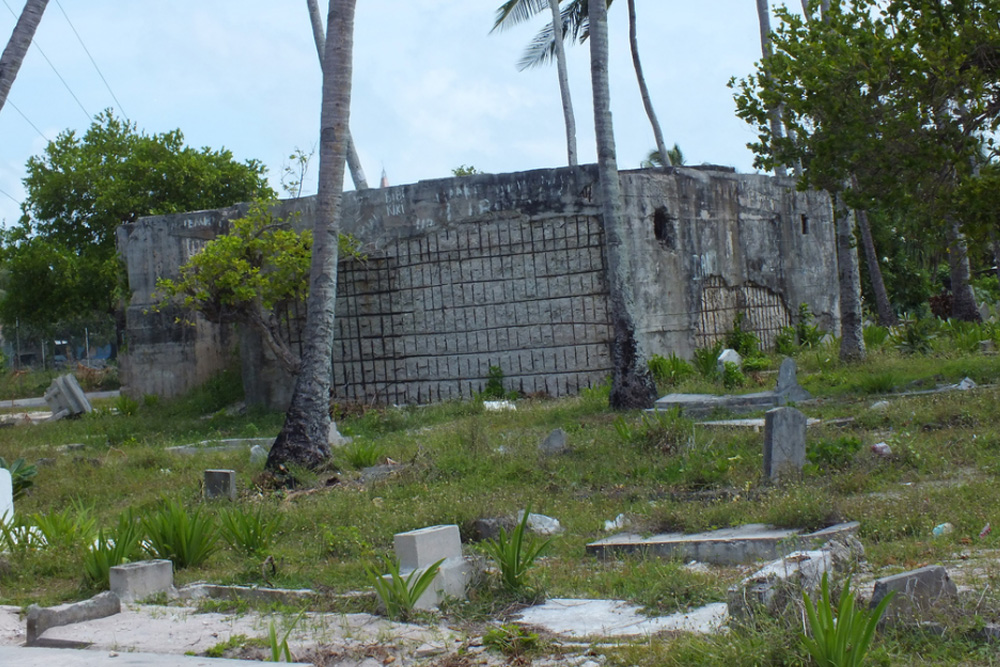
x: 920, y: 594
x: 65, y: 398
x: 784, y: 443
x: 788, y: 388
x: 728, y: 356
x: 554, y: 443
x: 6, y: 495
x: 220, y: 484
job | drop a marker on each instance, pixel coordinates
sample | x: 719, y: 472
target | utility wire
x: 9, y: 196
x: 28, y: 120
x: 72, y: 94
x: 94, y: 62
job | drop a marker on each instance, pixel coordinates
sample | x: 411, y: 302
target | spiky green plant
x: 399, y: 594
x: 250, y: 531
x: 514, y: 554
x: 73, y: 526
x: 840, y: 640
x: 186, y: 538
x: 22, y: 475
x: 113, y: 548
x: 279, y: 647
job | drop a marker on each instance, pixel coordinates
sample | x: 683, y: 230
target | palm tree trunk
x: 567, y: 102
x: 631, y: 386
x: 647, y: 102
x: 886, y: 316
x: 304, y: 437
x: 353, y: 159
x: 852, y: 341
x: 963, y: 300
x: 17, y: 47
x: 774, y: 113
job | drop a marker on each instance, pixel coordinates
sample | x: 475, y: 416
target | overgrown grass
x: 460, y: 463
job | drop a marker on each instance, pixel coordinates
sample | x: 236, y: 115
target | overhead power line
x: 28, y: 120
x: 34, y: 43
x: 94, y: 62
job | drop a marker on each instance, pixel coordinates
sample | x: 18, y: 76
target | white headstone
x: 6, y: 495
x: 729, y: 356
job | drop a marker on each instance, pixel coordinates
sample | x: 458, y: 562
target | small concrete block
x: 41, y: 619
x: 554, y: 443
x: 729, y: 356
x: 6, y: 495
x: 142, y: 579
x: 784, y: 443
x: 425, y: 546
x: 451, y: 581
x: 220, y: 484
x: 919, y: 594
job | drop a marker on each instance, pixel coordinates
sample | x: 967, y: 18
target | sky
x: 433, y: 89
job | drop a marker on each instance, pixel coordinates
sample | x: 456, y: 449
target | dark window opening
x: 665, y: 228
x: 805, y: 224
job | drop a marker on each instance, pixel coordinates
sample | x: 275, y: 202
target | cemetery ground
x: 455, y: 463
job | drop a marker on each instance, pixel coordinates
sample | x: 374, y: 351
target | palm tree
x: 774, y: 113
x: 631, y: 386
x: 575, y: 24
x: 20, y: 40
x: 675, y: 155
x: 516, y: 11
x: 353, y: 159
x: 304, y: 437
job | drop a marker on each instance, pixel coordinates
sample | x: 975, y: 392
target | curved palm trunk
x: 886, y: 316
x: 304, y: 437
x: 647, y: 103
x: 631, y: 386
x: 353, y: 159
x: 963, y: 304
x: 567, y: 103
x: 852, y: 342
x: 17, y: 47
x: 774, y: 113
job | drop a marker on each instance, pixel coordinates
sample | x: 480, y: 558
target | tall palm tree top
x: 541, y: 50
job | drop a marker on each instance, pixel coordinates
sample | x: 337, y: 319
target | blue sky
x: 432, y: 88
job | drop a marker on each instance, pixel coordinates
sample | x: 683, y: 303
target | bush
x: 250, y: 532
x: 744, y: 342
x: 112, y: 549
x: 808, y: 334
x: 22, y: 475
x: 833, y: 454
x: 67, y: 529
x: 706, y: 360
x: 732, y: 376
x: 187, y: 539
x: 515, y: 553
x: 670, y: 370
x: 398, y: 594
x: 362, y: 453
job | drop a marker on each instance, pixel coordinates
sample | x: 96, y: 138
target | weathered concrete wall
x: 508, y: 270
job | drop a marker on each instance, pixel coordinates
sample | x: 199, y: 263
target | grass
x: 460, y: 463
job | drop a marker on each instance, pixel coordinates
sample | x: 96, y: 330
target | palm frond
x: 514, y: 12
x: 576, y: 28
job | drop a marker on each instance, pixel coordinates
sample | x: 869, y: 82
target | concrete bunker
x: 507, y: 270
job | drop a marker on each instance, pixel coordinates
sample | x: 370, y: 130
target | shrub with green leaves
x: 743, y: 341
x: 670, y: 370
x: 706, y: 360
x: 841, y: 639
x: 510, y: 639
x: 112, y: 548
x: 186, y: 538
x: 514, y: 554
x: 732, y: 376
x: 833, y: 454
x: 400, y: 594
x: 914, y: 336
x: 807, y: 333
x: 22, y: 475
x: 67, y: 529
x: 250, y: 531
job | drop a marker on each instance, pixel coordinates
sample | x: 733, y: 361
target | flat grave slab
x: 729, y: 546
x: 46, y: 657
x: 614, y: 618
x: 699, y: 405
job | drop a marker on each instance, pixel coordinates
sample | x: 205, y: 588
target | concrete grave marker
x: 788, y: 388
x: 554, y: 443
x: 729, y: 356
x: 6, y: 495
x: 142, y: 579
x: 419, y: 549
x: 919, y: 593
x: 784, y: 443
x: 66, y: 399
x: 220, y: 484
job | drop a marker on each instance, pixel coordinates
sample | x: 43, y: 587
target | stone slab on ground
x: 755, y: 424
x: 221, y: 445
x: 46, y: 657
x: 729, y: 546
x: 177, y: 630
x: 699, y: 405
x: 41, y: 619
x: 614, y: 618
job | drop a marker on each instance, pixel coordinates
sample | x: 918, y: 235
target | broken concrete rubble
x: 921, y: 594
x: 66, y: 398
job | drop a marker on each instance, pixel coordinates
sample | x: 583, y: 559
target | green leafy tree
x: 61, y: 256
x: 889, y: 106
